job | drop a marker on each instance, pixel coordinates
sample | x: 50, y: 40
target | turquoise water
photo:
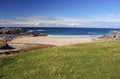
x: 71, y: 32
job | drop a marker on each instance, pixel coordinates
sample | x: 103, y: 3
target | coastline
x: 76, y: 36
x: 58, y: 41
x: 26, y: 41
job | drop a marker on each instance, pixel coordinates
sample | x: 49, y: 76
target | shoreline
x: 76, y: 36
x: 58, y: 41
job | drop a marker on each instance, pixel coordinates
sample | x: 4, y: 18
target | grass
x: 99, y: 60
x: 2, y: 44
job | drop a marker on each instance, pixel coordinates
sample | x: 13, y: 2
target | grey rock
x: 111, y: 37
x: 12, y: 30
x: 34, y: 34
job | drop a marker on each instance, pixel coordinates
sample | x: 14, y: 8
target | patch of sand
x: 59, y: 41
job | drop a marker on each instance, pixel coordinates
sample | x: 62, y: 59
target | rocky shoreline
x: 8, y: 34
x: 113, y: 36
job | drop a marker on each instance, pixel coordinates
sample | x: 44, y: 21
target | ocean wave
x: 91, y: 33
x: 40, y: 30
x: 114, y: 31
x: 32, y: 31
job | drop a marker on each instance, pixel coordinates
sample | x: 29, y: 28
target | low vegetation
x: 99, y: 60
x: 2, y: 44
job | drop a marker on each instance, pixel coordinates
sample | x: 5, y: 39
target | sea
x: 71, y: 31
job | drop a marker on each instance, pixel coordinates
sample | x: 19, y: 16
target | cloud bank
x: 109, y: 21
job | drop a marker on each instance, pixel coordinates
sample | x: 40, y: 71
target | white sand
x: 59, y: 41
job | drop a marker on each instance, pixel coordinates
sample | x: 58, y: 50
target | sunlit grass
x: 99, y: 60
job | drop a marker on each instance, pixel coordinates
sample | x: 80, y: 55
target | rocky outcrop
x: 7, y: 37
x: 111, y: 37
x: 7, y: 34
x: 34, y: 34
x: 39, y: 34
x: 115, y: 35
x: 12, y: 30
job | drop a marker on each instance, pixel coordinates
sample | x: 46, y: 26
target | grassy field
x: 83, y: 61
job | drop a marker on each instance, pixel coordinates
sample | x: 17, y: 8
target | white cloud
x: 93, y: 21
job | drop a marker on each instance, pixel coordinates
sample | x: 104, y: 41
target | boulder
x: 12, y: 30
x: 111, y: 37
x: 39, y: 34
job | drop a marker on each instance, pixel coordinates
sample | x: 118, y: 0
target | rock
x: 12, y: 30
x: 6, y: 37
x: 111, y: 37
x: 34, y: 34
x: 6, y: 47
x: 7, y: 34
x: 39, y: 34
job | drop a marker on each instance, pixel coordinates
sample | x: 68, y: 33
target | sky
x: 60, y: 13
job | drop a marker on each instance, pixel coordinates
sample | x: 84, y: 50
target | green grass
x: 2, y: 44
x: 83, y: 61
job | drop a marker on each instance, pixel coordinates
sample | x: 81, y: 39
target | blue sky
x: 68, y: 13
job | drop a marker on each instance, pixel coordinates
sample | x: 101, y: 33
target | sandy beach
x: 59, y: 41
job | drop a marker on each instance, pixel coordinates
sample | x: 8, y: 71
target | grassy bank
x: 84, y: 61
x: 2, y: 44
